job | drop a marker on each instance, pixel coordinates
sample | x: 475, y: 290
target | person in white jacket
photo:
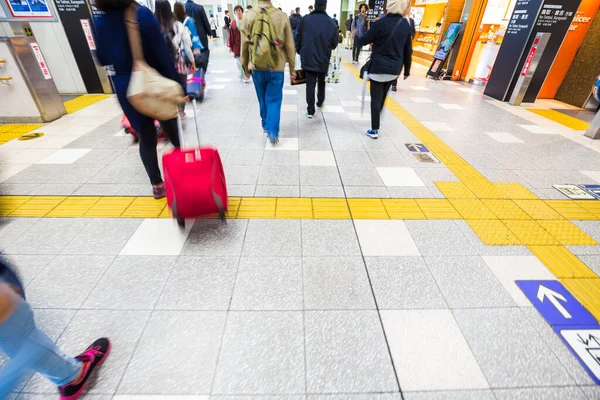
x: 213, y: 26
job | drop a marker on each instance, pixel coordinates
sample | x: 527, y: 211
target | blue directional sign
x: 584, y: 343
x: 417, y: 147
x: 555, y: 303
x: 594, y: 190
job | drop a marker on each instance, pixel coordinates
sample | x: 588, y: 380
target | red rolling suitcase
x: 194, y: 180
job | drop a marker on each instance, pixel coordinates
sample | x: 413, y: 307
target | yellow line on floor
x: 563, y: 119
x: 84, y: 101
x: 12, y: 131
x: 510, y: 214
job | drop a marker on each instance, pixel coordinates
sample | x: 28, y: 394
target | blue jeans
x: 269, y: 89
x: 31, y: 349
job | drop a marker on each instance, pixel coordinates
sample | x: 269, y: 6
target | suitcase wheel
x: 222, y: 216
x: 181, y: 223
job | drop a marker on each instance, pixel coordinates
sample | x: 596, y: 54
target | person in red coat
x: 235, y: 39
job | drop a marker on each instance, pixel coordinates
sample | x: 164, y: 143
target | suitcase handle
x: 180, y: 129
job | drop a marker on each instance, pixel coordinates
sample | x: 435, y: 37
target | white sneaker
x: 246, y: 80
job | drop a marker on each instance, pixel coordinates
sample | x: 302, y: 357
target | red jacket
x: 235, y: 39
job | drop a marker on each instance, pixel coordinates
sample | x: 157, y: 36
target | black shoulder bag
x: 365, y: 68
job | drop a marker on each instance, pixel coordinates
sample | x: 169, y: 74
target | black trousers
x: 356, y: 50
x: 148, y: 141
x: 311, y: 80
x: 379, y: 91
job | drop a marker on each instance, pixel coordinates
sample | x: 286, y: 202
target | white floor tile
x: 385, y: 238
x: 320, y: 158
x: 121, y: 132
x: 157, y: 397
x: 350, y: 103
x: 451, y: 83
x: 216, y: 71
x: 504, y: 137
x: 215, y: 87
x: 329, y: 89
x: 29, y: 157
x: 223, y: 80
x: 359, y: 116
x: 595, y: 175
x: 451, y: 106
x: 468, y: 90
x: 292, y: 92
x: 399, y: 176
x: 157, y: 237
x: 421, y: 100
x: 536, y: 129
x: 64, y: 156
x: 6, y: 153
x: 367, y: 98
x: 51, y: 142
x: 437, y: 126
x: 430, y: 352
x: 6, y: 171
x: 289, y: 144
x: 508, y: 269
x: 289, y: 107
x: 419, y: 88
x: 333, y: 109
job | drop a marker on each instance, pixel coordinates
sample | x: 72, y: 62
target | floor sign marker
x: 417, y: 147
x: 584, y: 343
x: 555, y: 303
x: 574, y: 192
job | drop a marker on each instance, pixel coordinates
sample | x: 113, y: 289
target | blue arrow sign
x: 555, y: 303
x: 417, y: 147
x: 594, y: 190
x: 584, y: 343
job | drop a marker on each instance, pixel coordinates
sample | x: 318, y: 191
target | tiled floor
x: 369, y: 306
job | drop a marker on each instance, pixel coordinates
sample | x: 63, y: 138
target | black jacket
x: 196, y: 12
x: 316, y: 37
x: 349, y: 22
x: 389, y: 53
x: 295, y: 21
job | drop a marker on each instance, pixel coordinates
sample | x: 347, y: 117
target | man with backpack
x: 317, y: 36
x: 267, y: 44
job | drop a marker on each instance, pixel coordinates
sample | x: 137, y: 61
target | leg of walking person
x: 172, y: 130
x: 321, y: 90
x: 355, y: 51
x: 394, y: 85
x: 148, y: 141
x: 273, y: 98
x: 386, y: 89
x: 260, y: 85
x: 311, y: 82
x: 376, y: 104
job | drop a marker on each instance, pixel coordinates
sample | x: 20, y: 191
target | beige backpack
x: 150, y: 93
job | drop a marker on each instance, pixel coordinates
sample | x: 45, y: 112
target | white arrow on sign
x: 554, y: 298
x: 415, y: 146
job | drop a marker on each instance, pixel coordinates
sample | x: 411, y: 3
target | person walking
x: 266, y: 62
x: 317, y: 37
x: 226, y: 27
x: 392, y: 50
x: 235, y: 39
x: 213, y: 26
x: 335, y: 20
x: 295, y: 21
x: 349, y: 32
x: 413, y: 32
x: 112, y: 48
x: 198, y: 15
x: 360, y: 27
x: 30, y: 349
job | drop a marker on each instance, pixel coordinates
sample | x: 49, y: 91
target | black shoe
x: 394, y: 88
x: 93, y: 357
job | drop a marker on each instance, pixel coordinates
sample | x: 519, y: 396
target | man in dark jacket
x: 295, y: 21
x: 412, y: 36
x: 317, y: 36
x: 197, y: 13
x: 349, y: 38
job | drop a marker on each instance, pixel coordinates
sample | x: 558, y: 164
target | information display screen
x: 29, y: 9
x: 448, y: 41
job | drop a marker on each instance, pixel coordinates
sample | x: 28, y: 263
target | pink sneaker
x: 93, y: 357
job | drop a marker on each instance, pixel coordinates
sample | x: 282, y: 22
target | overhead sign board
x: 555, y: 303
x: 584, y: 342
x: 29, y: 9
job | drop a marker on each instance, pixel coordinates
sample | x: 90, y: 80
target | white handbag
x: 150, y: 93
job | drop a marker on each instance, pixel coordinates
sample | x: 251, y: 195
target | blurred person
x: 349, y: 32
x: 112, y: 48
x: 235, y: 39
x: 295, y: 21
x: 392, y: 50
x: 412, y: 36
x: 213, y: 26
x: 310, y: 9
x: 317, y: 37
x: 360, y: 27
x: 178, y: 41
x: 188, y: 22
x: 267, y: 67
x: 335, y: 20
x: 198, y: 15
x: 249, y: 7
x: 30, y: 349
x: 227, y: 22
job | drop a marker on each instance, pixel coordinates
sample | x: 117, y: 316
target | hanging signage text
x: 40, y: 59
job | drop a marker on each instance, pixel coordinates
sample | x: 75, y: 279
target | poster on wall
x: 29, y: 9
x: 416, y: 13
x: 440, y: 56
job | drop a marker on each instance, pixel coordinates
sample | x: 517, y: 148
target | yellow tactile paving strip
x: 81, y: 102
x: 12, y: 131
x: 563, y: 119
x: 508, y: 213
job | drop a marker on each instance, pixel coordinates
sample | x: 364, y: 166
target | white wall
x: 58, y: 54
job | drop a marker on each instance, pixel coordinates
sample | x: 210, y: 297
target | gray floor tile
x: 360, y: 176
x: 131, y: 283
x: 241, y: 174
x: 28, y: 266
x: 336, y: 283
x: 241, y: 190
x: 403, y: 283
x: 12, y: 228
x: 279, y: 175
x: 262, y: 352
x: 52, y: 189
x: 124, y: 328
x: 115, y: 174
x: 378, y: 396
x: 265, y: 397
x: 343, y: 351
x: 553, y: 393
x: 249, y: 143
x: 277, y: 237
x: 103, y: 236
x: 508, y: 349
x: 329, y: 238
x: 277, y: 191
x: 451, y: 395
x: 376, y: 192
x: 161, y: 365
x: 65, y: 274
x: 321, y: 191
x: 437, y: 238
x: 353, y: 158
x: 592, y: 392
x: 200, y: 283
x: 214, y: 238
x: 387, y: 159
x: 46, y: 236
x: 593, y: 262
x: 268, y: 283
x: 319, y: 176
x: 100, y: 156
x: 467, y: 282
x: 281, y: 157
x: 12, y: 189
x: 103, y: 189
x: 244, y: 157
